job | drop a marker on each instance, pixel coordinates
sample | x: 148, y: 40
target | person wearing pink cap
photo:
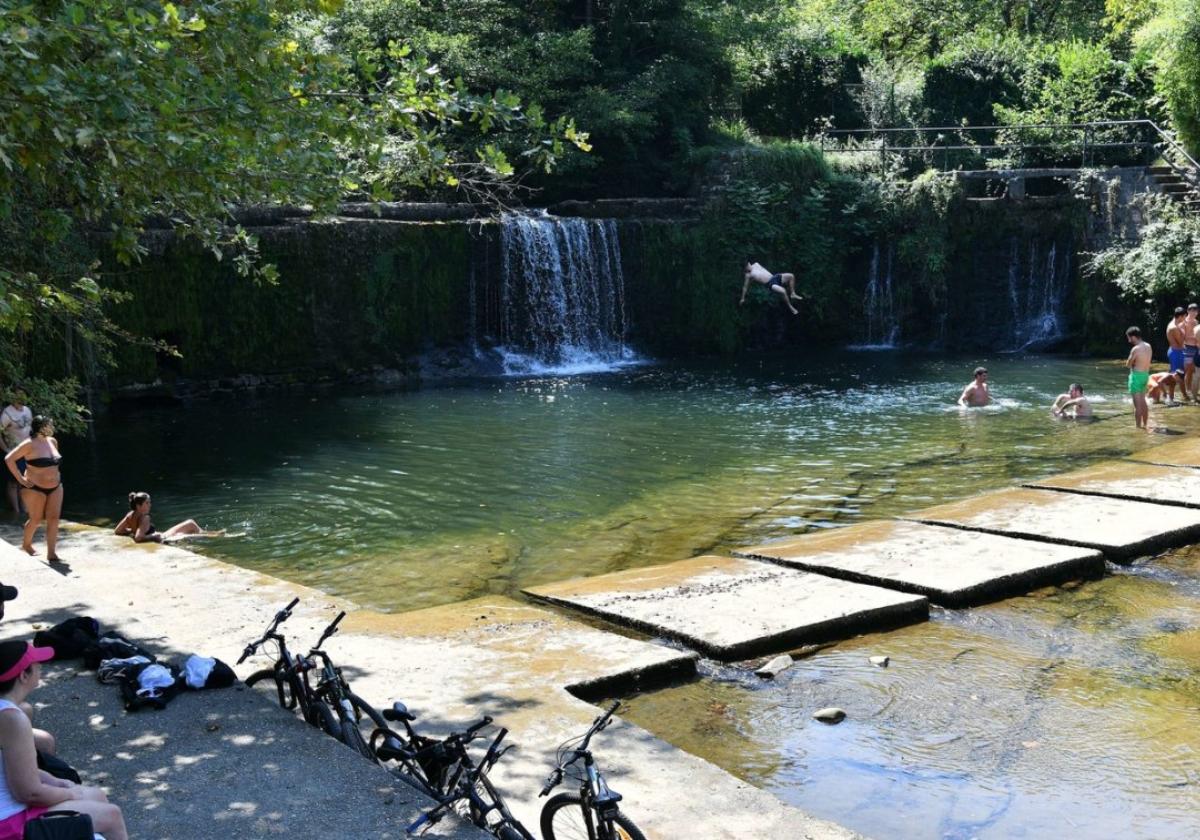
x: 25, y: 791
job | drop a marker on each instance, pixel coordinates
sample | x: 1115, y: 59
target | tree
x: 1172, y: 40
x: 117, y: 113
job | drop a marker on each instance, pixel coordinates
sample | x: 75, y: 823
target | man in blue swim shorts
x: 1175, y: 342
x: 1190, y: 351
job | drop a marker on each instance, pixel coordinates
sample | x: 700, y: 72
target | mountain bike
x: 290, y: 674
x: 593, y: 813
x: 467, y: 781
x: 334, y: 691
x: 330, y: 706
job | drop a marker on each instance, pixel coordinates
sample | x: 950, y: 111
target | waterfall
x: 562, y: 296
x: 1037, y: 286
x: 879, y: 303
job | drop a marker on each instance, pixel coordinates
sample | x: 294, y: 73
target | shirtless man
x: 1139, y: 375
x: 1190, y: 351
x: 1175, y: 343
x: 1073, y: 405
x: 783, y: 285
x: 1164, y: 383
x: 976, y: 394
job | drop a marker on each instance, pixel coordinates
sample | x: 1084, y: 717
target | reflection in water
x: 428, y: 497
x: 1073, y: 711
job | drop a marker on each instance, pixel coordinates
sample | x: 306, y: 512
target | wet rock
x: 880, y: 661
x: 775, y: 667
x: 830, y: 714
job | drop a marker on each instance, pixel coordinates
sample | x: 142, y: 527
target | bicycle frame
x: 600, y: 802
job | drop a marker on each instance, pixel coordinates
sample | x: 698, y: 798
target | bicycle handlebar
x: 280, y: 617
x: 329, y: 631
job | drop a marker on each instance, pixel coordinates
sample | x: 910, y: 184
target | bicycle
x: 593, y: 813
x: 331, y: 706
x: 469, y: 781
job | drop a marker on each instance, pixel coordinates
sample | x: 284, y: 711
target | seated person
x: 42, y: 739
x: 1164, y: 383
x: 137, y: 524
x: 1072, y: 405
x: 25, y: 791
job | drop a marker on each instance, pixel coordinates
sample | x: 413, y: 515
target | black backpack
x: 70, y: 638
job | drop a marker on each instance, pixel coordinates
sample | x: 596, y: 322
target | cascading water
x: 1037, y: 287
x: 562, y: 296
x: 879, y: 303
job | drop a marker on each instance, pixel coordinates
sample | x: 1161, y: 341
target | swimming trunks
x: 1189, y: 352
x: 1138, y: 380
x: 1175, y: 359
x: 776, y: 280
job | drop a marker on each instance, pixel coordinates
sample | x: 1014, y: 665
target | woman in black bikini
x: 42, y: 490
x: 137, y: 524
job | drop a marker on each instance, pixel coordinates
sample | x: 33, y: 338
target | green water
x: 413, y: 499
x: 1071, y: 712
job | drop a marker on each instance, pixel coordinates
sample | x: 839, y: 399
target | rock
x: 775, y: 667
x: 880, y: 661
x: 830, y: 714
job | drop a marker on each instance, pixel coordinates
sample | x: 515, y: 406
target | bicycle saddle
x: 399, y: 712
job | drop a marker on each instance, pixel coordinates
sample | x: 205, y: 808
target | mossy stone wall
x: 351, y: 294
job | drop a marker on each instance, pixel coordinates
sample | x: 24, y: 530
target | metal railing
x: 1064, y: 144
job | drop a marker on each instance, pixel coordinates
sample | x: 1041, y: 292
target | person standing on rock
x: 15, y: 420
x: 976, y: 394
x: 1138, y: 363
x: 1190, y: 351
x: 42, y: 480
x: 1175, y: 343
x: 783, y: 285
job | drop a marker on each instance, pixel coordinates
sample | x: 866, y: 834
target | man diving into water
x: 783, y: 285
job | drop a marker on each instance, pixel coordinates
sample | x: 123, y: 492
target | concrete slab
x: 451, y: 664
x: 1163, y: 485
x: 952, y: 567
x: 1121, y: 529
x: 1180, y: 453
x: 732, y: 608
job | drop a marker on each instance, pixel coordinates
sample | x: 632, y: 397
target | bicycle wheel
x: 563, y: 818
x: 352, y: 737
x: 259, y: 676
x: 323, y: 718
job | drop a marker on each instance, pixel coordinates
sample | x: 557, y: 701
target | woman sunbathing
x: 137, y: 524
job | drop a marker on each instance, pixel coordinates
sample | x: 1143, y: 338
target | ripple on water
x: 1072, y: 710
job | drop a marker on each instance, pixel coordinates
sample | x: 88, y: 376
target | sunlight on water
x: 1071, y: 712
x: 411, y: 499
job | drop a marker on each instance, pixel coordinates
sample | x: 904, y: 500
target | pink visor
x: 32, y: 654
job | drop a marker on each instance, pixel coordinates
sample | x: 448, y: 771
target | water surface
x: 1073, y: 711
x: 404, y: 500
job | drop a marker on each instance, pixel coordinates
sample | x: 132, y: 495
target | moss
x: 350, y: 295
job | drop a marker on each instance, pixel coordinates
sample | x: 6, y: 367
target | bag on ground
x: 60, y: 825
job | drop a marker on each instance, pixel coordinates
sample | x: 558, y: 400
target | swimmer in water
x: 1073, y: 405
x: 976, y: 394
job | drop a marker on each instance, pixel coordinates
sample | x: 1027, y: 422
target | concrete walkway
x: 176, y: 778
x: 733, y: 609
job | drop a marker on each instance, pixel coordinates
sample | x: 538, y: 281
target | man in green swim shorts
x: 1139, y: 375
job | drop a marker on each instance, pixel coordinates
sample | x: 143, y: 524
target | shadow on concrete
x: 224, y: 762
